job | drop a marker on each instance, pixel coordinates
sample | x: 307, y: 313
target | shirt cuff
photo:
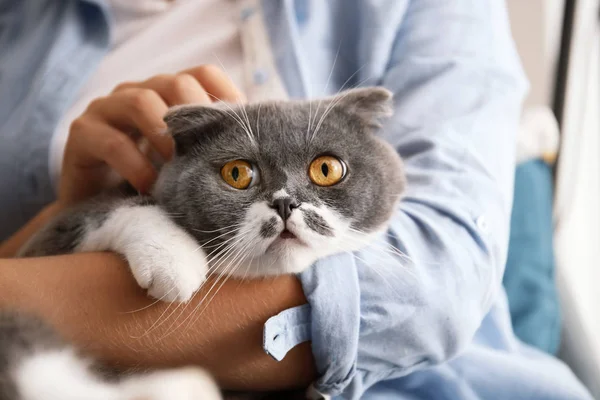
x: 332, y: 325
x: 286, y: 330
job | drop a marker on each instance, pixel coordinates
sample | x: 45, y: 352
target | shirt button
x: 260, y: 76
x: 482, y: 224
x: 246, y: 13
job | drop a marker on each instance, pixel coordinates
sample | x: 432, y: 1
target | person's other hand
x: 105, y: 137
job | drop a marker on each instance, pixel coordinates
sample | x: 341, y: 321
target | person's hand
x: 104, y: 138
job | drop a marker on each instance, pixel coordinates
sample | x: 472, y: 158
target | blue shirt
x: 432, y: 323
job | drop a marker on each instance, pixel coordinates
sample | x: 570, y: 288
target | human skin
x: 93, y: 300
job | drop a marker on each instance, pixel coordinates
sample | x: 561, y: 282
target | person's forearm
x: 93, y: 301
x: 11, y: 246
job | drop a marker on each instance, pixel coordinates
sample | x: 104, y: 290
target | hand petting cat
x: 105, y: 138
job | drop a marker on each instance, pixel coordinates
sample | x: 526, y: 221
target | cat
x: 258, y: 190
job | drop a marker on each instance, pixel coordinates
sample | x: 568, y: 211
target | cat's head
x: 269, y: 188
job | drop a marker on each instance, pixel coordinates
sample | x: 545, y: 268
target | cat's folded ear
x: 191, y: 124
x: 370, y: 104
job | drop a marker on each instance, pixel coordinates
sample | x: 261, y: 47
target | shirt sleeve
x: 416, y: 296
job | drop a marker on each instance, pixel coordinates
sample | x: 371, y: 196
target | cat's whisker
x: 241, y: 248
x: 170, y: 329
x: 218, y: 229
x: 227, y: 273
x: 160, y: 320
x: 240, y: 104
x: 258, y: 121
x: 213, y: 266
x: 247, y: 268
x: 227, y: 254
x: 330, y: 107
x: 375, y: 269
x: 386, y: 259
x: 217, y: 261
x: 364, y: 242
x: 169, y: 316
x: 272, y: 263
x: 222, y: 275
x: 386, y: 234
x: 339, y: 90
x: 308, y: 124
x: 156, y: 301
x: 228, y: 249
x: 239, y: 234
x: 231, y: 111
x: 245, y: 113
x: 235, y: 263
x: 143, y: 308
x: 233, y: 231
x: 215, y: 257
x: 383, y: 278
x: 236, y: 117
x: 337, y: 53
x: 388, y: 248
x: 233, y: 234
x: 220, y: 259
x: 254, y: 242
x: 212, y: 246
x: 227, y: 243
x: 343, y: 87
x: 395, y: 251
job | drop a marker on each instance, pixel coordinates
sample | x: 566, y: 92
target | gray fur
x: 317, y: 223
x: 268, y: 228
x: 282, y: 149
x: 285, y: 138
x: 21, y: 336
x: 64, y: 232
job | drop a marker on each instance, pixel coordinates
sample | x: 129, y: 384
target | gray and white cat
x: 265, y: 189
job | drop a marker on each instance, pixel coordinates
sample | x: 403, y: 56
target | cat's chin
x: 274, y: 263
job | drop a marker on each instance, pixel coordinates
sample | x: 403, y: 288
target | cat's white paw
x: 168, y: 262
x: 162, y: 256
x: 180, y: 384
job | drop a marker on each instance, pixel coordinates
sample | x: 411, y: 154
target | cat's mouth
x: 287, y: 234
x: 287, y: 237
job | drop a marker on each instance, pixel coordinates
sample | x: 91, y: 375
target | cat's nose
x: 284, y: 206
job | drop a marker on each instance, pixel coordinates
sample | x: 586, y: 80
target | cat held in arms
x: 257, y: 190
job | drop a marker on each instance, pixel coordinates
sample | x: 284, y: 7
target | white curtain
x: 577, y: 203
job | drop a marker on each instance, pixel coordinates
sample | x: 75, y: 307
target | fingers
x: 107, y: 132
x: 147, y: 102
x: 136, y: 109
x: 198, y: 85
x: 216, y: 83
x: 97, y: 143
x: 173, y: 89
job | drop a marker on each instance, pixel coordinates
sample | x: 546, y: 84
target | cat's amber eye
x: 237, y: 174
x: 326, y: 170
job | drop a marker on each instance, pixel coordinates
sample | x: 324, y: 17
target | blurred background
x: 552, y: 280
x: 553, y: 269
